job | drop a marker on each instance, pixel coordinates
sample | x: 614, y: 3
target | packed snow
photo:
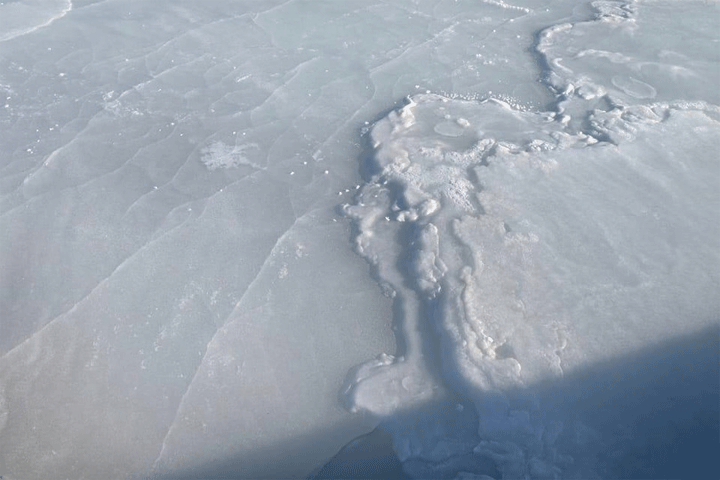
x: 238, y: 235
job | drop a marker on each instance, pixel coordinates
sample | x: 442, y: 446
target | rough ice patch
x: 526, y: 246
x: 532, y: 252
x: 221, y: 155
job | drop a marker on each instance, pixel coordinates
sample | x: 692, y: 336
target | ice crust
x: 178, y: 295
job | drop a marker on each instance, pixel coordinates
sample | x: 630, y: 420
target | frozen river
x: 237, y: 235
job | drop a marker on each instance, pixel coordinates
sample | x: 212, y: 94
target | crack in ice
x: 238, y: 305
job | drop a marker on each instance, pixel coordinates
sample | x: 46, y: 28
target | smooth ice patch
x: 23, y: 17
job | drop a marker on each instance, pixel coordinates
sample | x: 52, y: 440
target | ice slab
x: 538, y: 244
x: 535, y: 254
x: 634, y: 53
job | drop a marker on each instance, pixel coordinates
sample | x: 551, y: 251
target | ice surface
x: 22, y: 18
x: 538, y: 204
x: 537, y: 244
x: 546, y: 257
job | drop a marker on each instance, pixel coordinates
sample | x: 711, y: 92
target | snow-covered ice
x: 237, y: 235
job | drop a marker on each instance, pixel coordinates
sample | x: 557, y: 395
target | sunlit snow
x: 237, y: 235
